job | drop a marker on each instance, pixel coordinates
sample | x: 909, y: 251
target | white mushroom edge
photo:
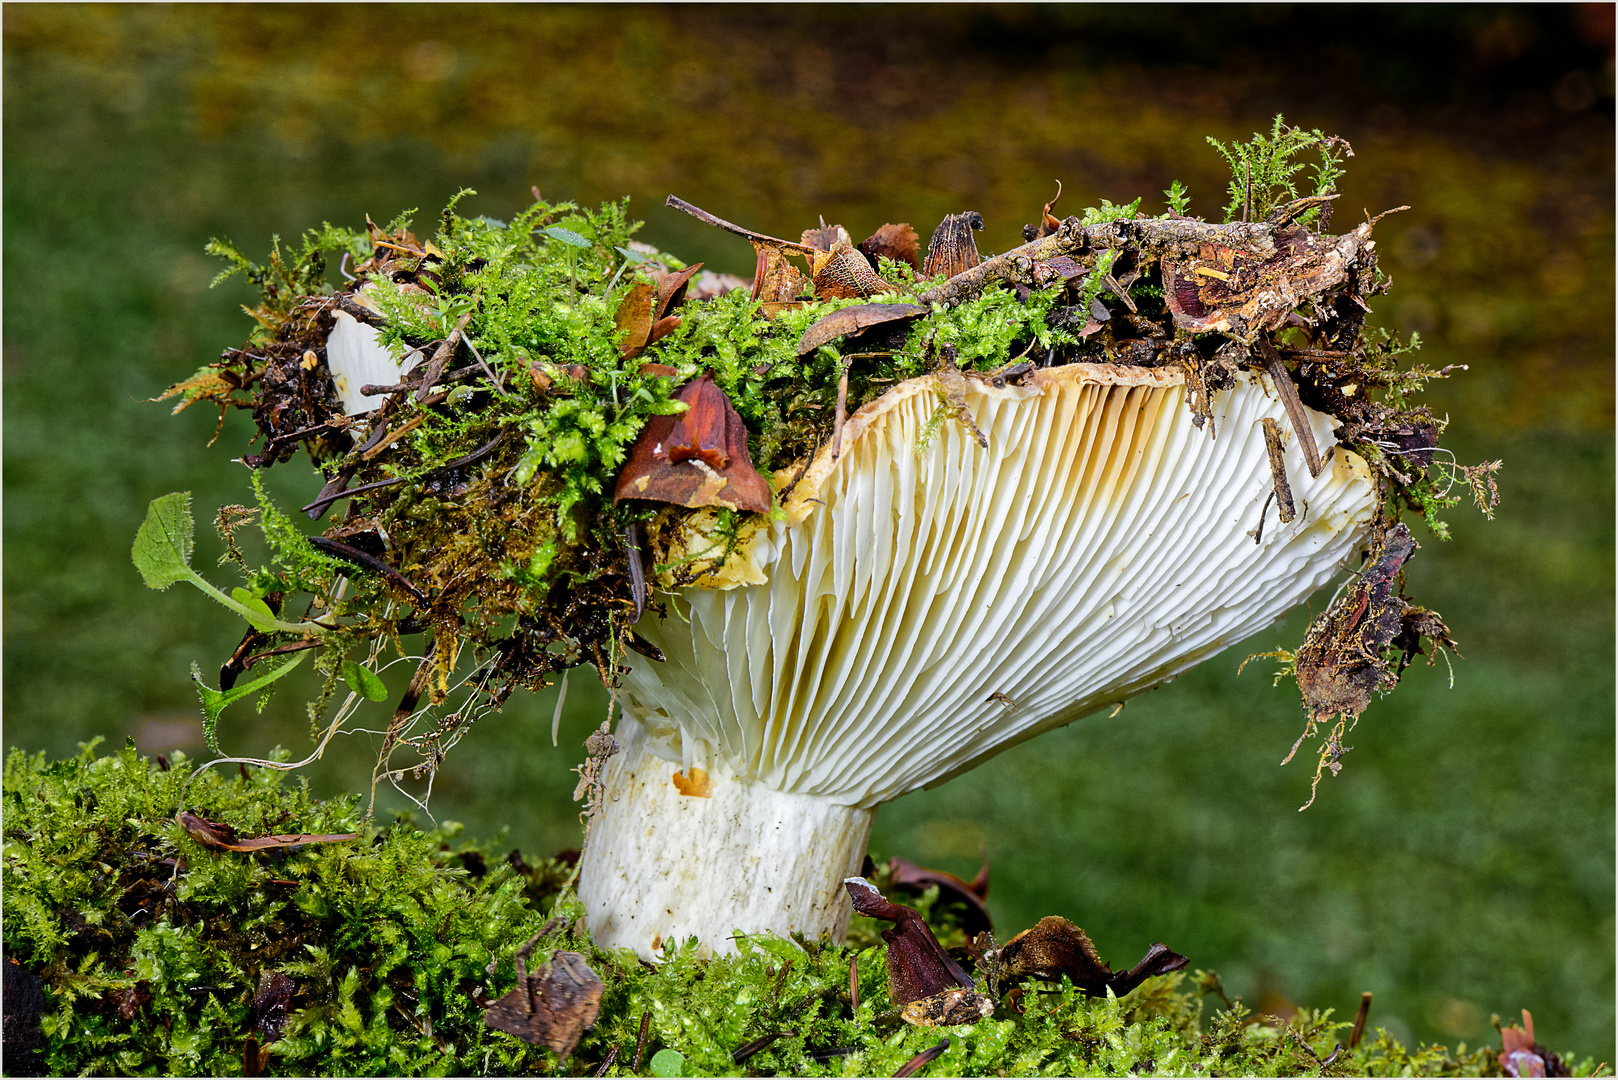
x: 929, y: 603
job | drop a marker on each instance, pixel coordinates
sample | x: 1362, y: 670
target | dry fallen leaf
x: 698, y: 458
x: 903, y: 872
x: 222, y: 837
x: 897, y: 242
x: 1048, y: 223
x: 1055, y: 947
x: 854, y: 320
x: 554, y: 1006
x: 843, y: 273
x: 918, y: 967
x: 953, y: 249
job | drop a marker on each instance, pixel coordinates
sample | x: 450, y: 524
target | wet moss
x: 159, y: 956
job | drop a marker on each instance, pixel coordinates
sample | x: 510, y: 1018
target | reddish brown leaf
x: 854, y: 320
x: 634, y: 318
x: 554, y: 1006
x: 663, y: 327
x: 222, y: 837
x: 671, y: 289
x: 1055, y: 947
x: 698, y: 458
x: 918, y: 967
x: 897, y: 242
x: 905, y: 873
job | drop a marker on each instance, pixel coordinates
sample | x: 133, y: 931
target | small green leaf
x: 162, y: 551
x: 668, y: 1063
x: 214, y: 701
x: 256, y: 605
x: 566, y: 236
x: 364, y: 682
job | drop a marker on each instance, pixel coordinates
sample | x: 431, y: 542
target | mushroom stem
x: 662, y: 866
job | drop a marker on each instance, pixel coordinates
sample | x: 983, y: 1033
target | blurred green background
x: 1462, y: 865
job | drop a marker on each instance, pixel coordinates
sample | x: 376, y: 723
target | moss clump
x: 375, y: 956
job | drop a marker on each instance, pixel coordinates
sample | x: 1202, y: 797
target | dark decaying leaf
x: 22, y: 1000
x: 926, y: 1057
x: 897, y: 242
x: 271, y: 1005
x: 953, y: 249
x: 698, y: 458
x: 951, y: 889
x: 221, y: 837
x: 854, y: 320
x: 918, y: 967
x: 1055, y: 947
x: 1343, y: 660
x: 554, y: 1006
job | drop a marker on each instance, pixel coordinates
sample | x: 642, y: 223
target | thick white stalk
x: 660, y: 866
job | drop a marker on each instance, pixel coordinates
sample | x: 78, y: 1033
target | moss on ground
x: 376, y: 955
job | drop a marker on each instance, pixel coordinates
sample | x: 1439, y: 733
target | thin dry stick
x: 720, y: 223
x: 842, y: 413
x: 1289, y: 399
x: 1278, y: 470
x: 1358, y: 1031
x: 640, y: 1043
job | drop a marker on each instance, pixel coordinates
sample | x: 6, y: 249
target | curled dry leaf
x: 1055, y: 947
x: 953, y: 249
x: 897, y: 242
x: 698, y: 458
x: 221, y: 837
x: 1048, y: 223
x: 972, y: 894
x: 918, y: 967
x: 855, y: 320
x: 554, y: 1006
x: 777, y: 284
x: 826, y: 237
x: 634, y: 318
x: 843, y: 273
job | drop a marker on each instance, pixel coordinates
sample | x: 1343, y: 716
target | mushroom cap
x: 927, y: 602
x: 355, y: 357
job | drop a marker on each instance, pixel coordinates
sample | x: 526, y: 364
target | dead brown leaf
x: 552, y: 1007
x: 843, y: 273
x: 1055, y: 947
x: 951, y: 889
x: 221, y: 837
x: 854, y: 320
x: 918, y: 967
x: 897, y: 242
x: 953, y: 249
x: 698, y: 458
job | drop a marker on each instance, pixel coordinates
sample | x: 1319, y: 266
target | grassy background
x: 1462, y: 864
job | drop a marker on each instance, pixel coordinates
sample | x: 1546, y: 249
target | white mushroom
x: 926, y: 604
x: 355, y: 357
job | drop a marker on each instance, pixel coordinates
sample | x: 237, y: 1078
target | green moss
x: 151, y: 949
